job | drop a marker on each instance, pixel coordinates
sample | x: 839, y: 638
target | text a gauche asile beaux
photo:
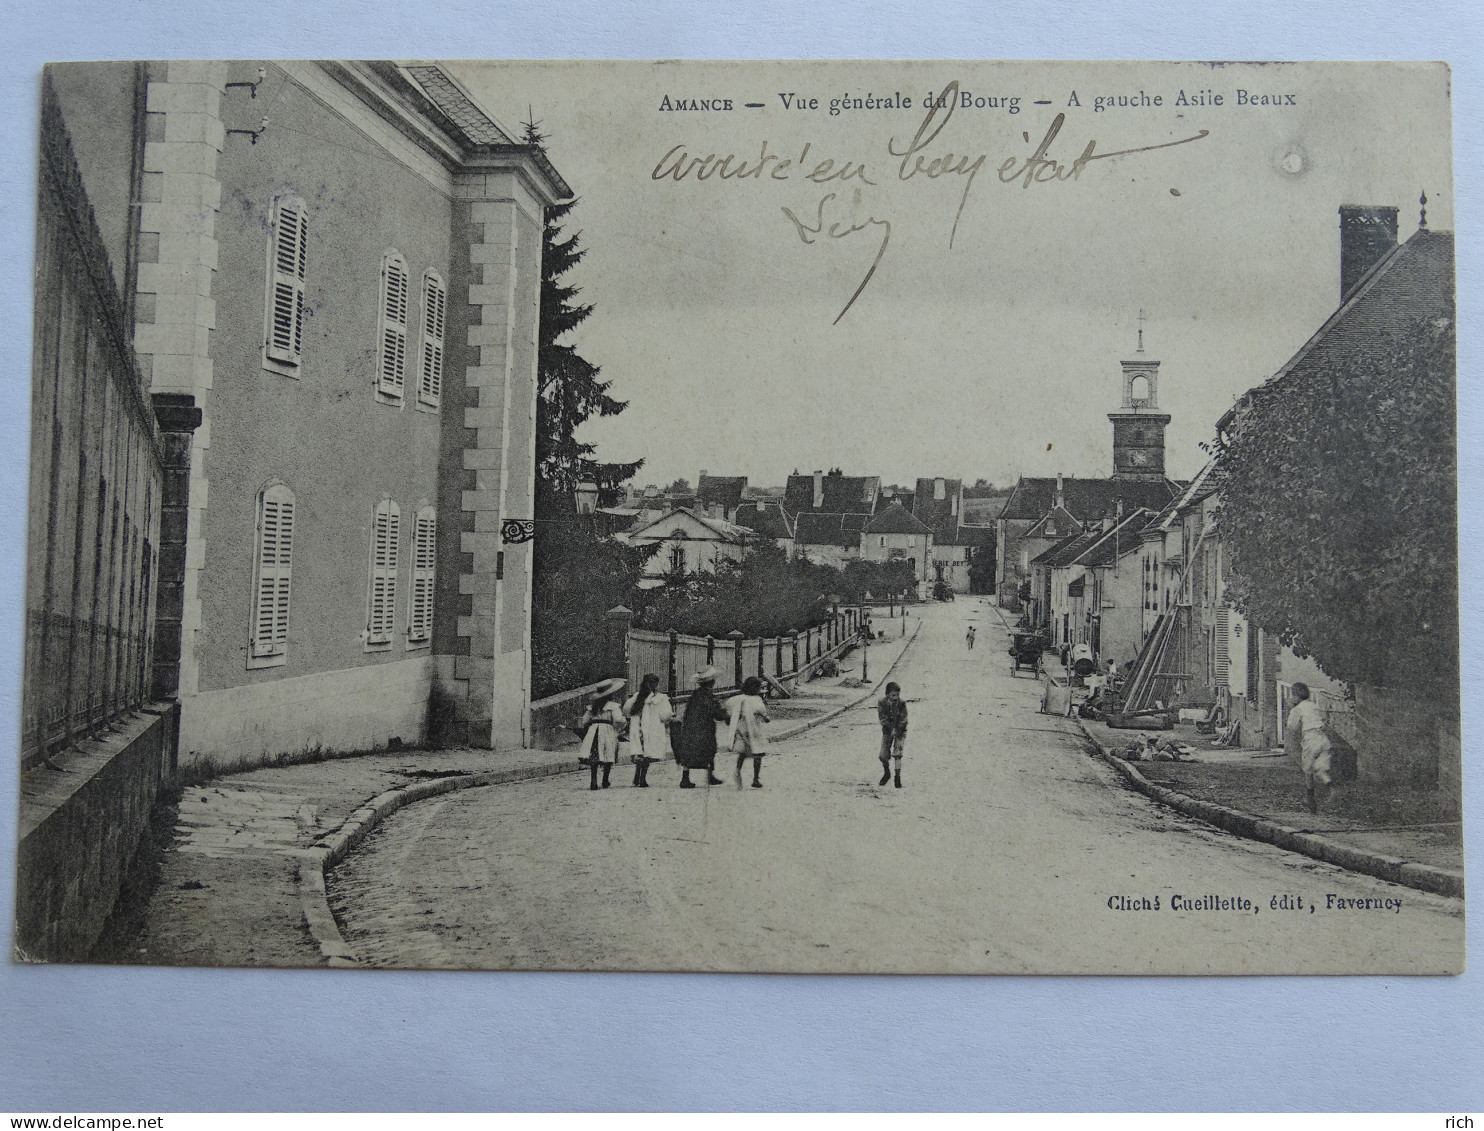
x: 1239, y: 98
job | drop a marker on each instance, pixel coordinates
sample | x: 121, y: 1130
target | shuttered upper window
x: 424, y: 554
x: 272, y: 577
x: 381, y: 600
x: 435, y: 315
x: 391, y: 373
x: 287, y: 256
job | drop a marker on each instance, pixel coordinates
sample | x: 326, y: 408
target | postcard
x: 812, y: 517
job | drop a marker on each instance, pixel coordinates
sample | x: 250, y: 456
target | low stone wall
x: 80, y: 826
x: 551, y: 716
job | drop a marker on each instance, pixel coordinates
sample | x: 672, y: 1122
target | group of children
x: 645, y: 719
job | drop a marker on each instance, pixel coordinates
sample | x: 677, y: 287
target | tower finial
x: 1422, y: 221
x: 1141, y: 330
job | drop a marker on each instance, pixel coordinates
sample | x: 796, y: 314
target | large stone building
x: 340, y: 263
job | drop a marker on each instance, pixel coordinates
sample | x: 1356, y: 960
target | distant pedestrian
x: 1305, y: 731
x: 649, y: 713
x: 602, y: 722
x: 696, y: 747
x: 969, y: 638
x: 892, y: 712
x: 749, y: 714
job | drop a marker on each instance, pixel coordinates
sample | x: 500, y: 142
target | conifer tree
x: 570, y: 391
x: 578, y: 574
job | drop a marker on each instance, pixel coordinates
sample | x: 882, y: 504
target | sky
x: 986, y: 342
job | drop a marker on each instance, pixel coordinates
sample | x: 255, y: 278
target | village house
x: 828, y: 539
x: 1186, y: 624
x: 687, y: 543
x: 1112, y: 596
x: 826, y: 511
x: 1386, y: 287
x: 939, y: 504
x: 894, y: 534
x: 767, y: 519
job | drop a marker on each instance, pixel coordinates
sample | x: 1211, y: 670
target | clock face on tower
x: 1138, y: 457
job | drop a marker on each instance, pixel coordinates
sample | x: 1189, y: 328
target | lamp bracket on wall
x: 251, y: 86
x: 254, y: 134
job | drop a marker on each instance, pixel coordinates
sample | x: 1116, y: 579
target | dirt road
x: 1008, y: 850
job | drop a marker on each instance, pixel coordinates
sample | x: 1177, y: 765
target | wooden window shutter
x: 435, y: 314
x: 270, y: 632
x: 424, y: 557
x: 289, y: 249
x: 1223, y: 643
x: 392, y: 373
x: 382, y: 600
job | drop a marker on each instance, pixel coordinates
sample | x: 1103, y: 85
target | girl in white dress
x: 749, y: 716
x: 602, y: 723
x: 649, y: 713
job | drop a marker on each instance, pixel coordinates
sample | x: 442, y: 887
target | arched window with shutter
x: 435, y: 317
x: 272, y: 578
x: 391, y: 373
x: 288, y: 241
x: 381, y: 597
x: 424, y: 559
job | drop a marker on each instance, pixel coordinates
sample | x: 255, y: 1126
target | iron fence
x: 96, y: 477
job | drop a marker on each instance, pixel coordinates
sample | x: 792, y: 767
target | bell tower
x: 1139, y: 426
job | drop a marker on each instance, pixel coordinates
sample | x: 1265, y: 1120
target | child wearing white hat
x: 602, y: 723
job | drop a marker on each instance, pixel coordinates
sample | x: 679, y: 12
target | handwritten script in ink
x: 923, y: 156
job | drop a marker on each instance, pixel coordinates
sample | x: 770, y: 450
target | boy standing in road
x: 892, y: 711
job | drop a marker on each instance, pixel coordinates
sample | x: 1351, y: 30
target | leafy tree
x: 580, y: 574
x: 878, y: 579
x: 1339, y: 511
x: 763, y: 595
x: 679, y: 487
x: 982, y: 568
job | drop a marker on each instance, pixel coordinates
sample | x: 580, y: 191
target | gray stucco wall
x: 325, y: 434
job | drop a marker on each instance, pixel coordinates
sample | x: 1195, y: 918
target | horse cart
x: 1025, y: 652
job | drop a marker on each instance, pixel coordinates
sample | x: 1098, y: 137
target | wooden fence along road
x: 676, y: 658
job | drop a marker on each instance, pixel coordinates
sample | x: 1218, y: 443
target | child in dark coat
x: 892, y: 711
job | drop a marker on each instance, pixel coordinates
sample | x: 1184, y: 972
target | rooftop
x: 843, y: 494
x: 724, y: 491
x: 814, y: 528
x: 1413, y: 280
x: 944, y: 514
x: 1087, y: 499
x: 895, y: 519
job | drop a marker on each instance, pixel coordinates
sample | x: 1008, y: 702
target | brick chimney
x: 1059, y: 501
x: 1367, y: 233
x: 818, y: 490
